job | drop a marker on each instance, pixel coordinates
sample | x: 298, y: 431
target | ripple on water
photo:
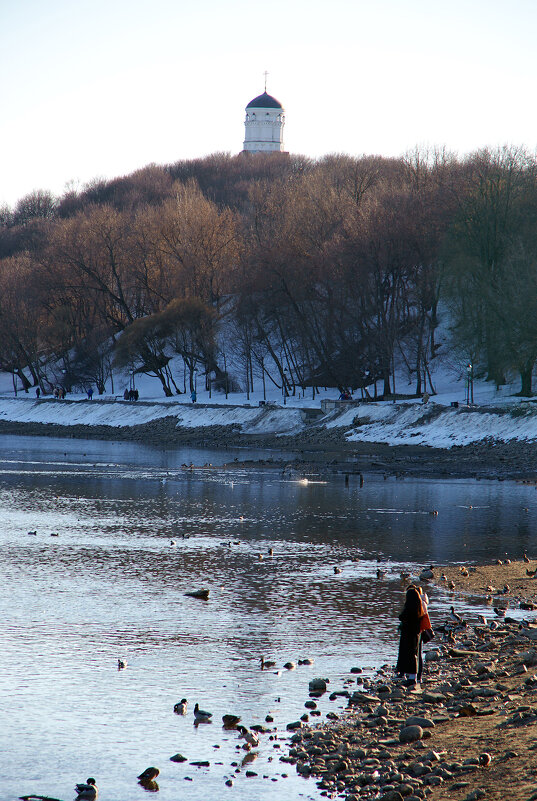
x: 110, y: 586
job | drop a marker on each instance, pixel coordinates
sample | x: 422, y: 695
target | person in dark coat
x: 409, y: 661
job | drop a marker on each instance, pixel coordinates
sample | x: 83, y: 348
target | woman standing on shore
x: 409, y: 661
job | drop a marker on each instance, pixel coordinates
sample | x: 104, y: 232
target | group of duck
x: 88, y: 791
x: 228, y: 721
x: 267, y: 664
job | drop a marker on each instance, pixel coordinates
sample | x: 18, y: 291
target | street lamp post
x: 469, y: 384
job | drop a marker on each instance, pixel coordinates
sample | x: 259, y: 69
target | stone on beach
x: 410, y: 734
x: 318, y: 685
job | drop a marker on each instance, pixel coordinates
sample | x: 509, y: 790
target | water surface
x: 112, y: 585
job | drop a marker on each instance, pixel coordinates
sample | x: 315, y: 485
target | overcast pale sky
x: 99, y: 88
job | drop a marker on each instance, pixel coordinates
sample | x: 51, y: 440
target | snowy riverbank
x: 402, y: 423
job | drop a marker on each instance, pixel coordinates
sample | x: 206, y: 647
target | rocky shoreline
x: 469, y: 731
x: 319, y: 450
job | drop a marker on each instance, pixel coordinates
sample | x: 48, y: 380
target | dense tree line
x: 302, y: 273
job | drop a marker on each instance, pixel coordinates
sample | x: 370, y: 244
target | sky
x: 99, y: 88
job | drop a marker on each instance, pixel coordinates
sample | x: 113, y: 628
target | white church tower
x: 265, y: 118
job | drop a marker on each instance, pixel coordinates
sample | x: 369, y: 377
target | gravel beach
x: 468, y: 732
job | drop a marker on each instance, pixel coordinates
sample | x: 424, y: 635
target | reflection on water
x: 111, y: 585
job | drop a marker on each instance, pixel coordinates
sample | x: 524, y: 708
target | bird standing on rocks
x: 251, y: 738
x: 87, y: 790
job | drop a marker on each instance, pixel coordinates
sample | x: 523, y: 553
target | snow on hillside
x: 116, y: 413
x: 434, y: 425
x: 496, y: 414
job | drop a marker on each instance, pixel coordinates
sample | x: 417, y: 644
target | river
x: 265, y: 542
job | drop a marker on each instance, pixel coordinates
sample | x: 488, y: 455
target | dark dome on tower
x: 264, y: 101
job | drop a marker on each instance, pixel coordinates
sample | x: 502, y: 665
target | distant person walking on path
x: 37, y: 392
x: 409, y: 660
x: 193, y: 396
x: 90, y: 393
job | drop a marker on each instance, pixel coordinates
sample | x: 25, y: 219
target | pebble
x: 178, y: 758
x: 475, y: 795
x: 318, y: 685
x: 410, y: 734
x: 415, y: 720
x: 392, y: 795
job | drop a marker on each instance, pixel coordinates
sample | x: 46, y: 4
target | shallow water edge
x: 322, y: 450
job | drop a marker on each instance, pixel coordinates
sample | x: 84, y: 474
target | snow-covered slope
x: 435, y: 425
x: 398, y: 423
x: 116, y: 413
